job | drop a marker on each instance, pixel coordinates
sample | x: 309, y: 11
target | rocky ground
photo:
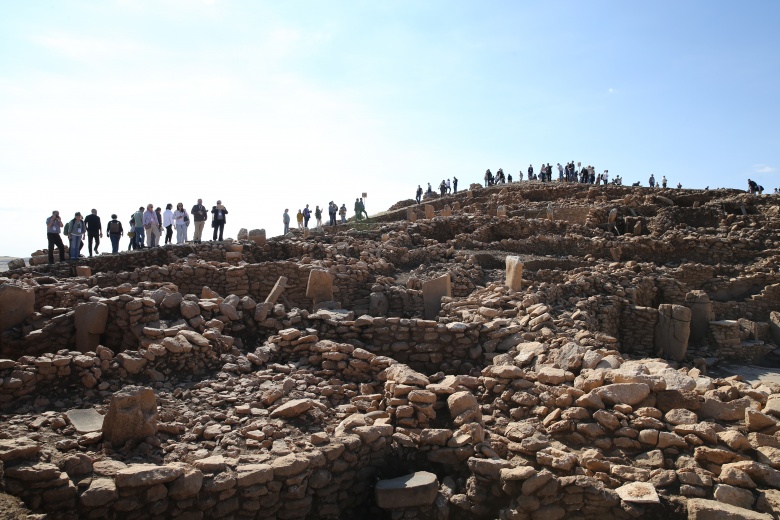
x: 523, y: 351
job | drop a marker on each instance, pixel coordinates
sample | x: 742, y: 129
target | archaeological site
x: 526, y: 351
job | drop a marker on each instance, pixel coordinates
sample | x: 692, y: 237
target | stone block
x: 429, y: 211
x: 433, y: 291
x: 501, y: 212
x: 447, y: 211
x: 232, y: 256
x: 701, y: 315
x: 17, y: 302
x: 672, y: 331
x: 90, y: 319
x: 411, y: 214
x: 83, y: 270
x: 514, y: 273
x: 414, y: 490
x: 132, y: 415
x: 258, y: 236
x: 85, y: 420
x: 320, y: 286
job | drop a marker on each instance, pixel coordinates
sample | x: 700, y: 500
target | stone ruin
x: 529, y: 351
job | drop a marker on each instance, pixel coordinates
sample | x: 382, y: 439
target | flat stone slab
x: 638, y: 493
x: 750, y: 373
x: 85, y: 420
x: 413, y: 490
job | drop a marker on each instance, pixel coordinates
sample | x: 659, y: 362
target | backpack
x: 114, y: 227
x: 66, y: 229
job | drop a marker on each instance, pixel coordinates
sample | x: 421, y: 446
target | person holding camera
x: 53, y: 230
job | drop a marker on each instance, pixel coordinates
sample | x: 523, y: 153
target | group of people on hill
x: 144, y: 224
x: 303, y: 216
x: 445, y: 188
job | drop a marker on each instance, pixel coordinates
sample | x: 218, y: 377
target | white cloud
x: 763, y: 168
x: 611, y: 90
x: 84, y: 48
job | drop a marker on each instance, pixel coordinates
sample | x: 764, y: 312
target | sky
x: 268, y: 105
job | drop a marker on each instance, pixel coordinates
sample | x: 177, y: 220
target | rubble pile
x: 526, y: 351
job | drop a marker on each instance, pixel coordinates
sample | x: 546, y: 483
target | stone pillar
x: 550, y: 211
x: 514, y: 273
x: 433, y: 291
x: 90, y: 319
x: 616, y: 252
x: 320, y: 286
x: 262, y: 310
x: 612, y: 215
x: 411, y: 214
x: 429, y: 211
x: 305, y: 232
x: 701, y: 315
x: 638, y: 228
x: 258, y: 236
x: 132, y: 416
x: 672, y: 331
x: 17, y: 302
x: 456, y: 206
x: 501, y: 212
x: 446, y: 212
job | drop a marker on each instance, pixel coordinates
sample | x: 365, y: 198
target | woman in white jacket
x: 181, y: 219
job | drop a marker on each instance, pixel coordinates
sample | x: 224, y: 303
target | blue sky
x: 267, y: 105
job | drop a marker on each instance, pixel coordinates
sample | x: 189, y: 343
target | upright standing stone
x: 132, y: 415
x: 411, y: 214
x: 612, y: 215
x: 17, y: 302
x: 672, y: 331
x: 701, y: 315
x: 258, y: 236
x: 433, y: 291
x: 446, y: 212
x: 638, y: 228
x: 514, y: 273
x: 774, y: 326
x: 429, y: 211
x: 84, y: 271
x: 550, y: 211
x: 320, y: 287
x: 501, y: 212
x: 470, y: 194
x: 305, y: 232
x: 456, y: 206
x: 90, y: 319
x: 616, y: 252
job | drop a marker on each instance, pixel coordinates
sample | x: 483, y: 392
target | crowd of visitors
x: 334, y: 212
x: 145, y: 225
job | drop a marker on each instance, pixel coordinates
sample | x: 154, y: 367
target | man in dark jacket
x: 201, y: 214
x: 94, y: 231
x: 218, y: 213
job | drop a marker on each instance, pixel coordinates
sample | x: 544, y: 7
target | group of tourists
x: 145, y: 225
x: 445, y: 188
x: 334, y: 211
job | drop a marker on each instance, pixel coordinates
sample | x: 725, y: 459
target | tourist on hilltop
x: 286, y: 220
x: 651, y: 181
x: 139, y: 228
x: 131, y: 235
x: 158, y: 212
x: 318, y: 215
x: 343, y: 213
x: 218, y: 219
x: 167, y: 222
x: 333, y: 209
x: 429, y: 192
x: 94, y: 231
x: 488, y: 178
x: 449, y: 188
x: 752, y: 187
x: 509, y: 178
x: 53, y: 228
x: 180, y: 221
x: 114, y: 231
x: 200, y: 214
x: 454, y: 185
x: 679, y: 186
x: 520, y: 176
x: 419, y: 194
x: 152, y: 227
x: 442, y: 188
x: 76, y: 230
x: 530, y: 172
x: 299, y: 218
x: 560, y: 173
x: 306, y: 216
x: 358, y: 211
x: 363, y: 207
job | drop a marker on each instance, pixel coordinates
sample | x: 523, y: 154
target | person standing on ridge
x: 152, y: 227
x: 299, y: 218
x: 363, y: 208
x: 332, y: 210
x: 358, y: 212
x: 180, y: 219
x: 167, y: 220
x: 343, y: 213
x: 663, y: 181
x: 76, y: 230
x: 306, y: 216
x: 94, y: 231
x: 53, y: 228
x: 318, y: 215
x: 454, y: 186
x: 218, y: 219
x: 418, y: 195
x: 200, y: 214
x: 286, y: 221
x: 138, y: 217
x: 114, y: 231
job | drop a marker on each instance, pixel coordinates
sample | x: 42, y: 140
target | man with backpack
x: 114, y: 231
x: 94, y: 231
x: 75, y: 231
